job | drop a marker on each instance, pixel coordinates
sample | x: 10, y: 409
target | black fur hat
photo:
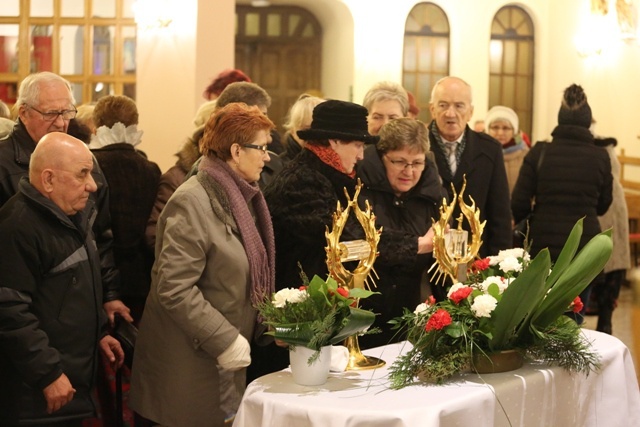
x: 341, y: 120
x: 574, y: 109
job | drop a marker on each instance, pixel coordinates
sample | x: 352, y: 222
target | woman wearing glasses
x: 502, y: 124
x: 215, y: 260
x: 404, y: 189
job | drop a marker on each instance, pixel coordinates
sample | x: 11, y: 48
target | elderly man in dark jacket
x: 51, y: 317
x: 46, y: 104
x: 461, y: 152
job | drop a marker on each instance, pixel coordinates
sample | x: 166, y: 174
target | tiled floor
x: 623, y: 324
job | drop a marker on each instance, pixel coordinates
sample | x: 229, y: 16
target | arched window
x: 426, y: 53
x: 511, y: 63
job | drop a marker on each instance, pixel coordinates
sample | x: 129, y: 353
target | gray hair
x: 435, y: 86
x: 249, y: 93
x: 4, y: 110
x: 384, y: 91
x: 29, y: 92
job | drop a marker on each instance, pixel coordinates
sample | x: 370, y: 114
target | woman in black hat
x: 563, y: 181
x: 303, y: 198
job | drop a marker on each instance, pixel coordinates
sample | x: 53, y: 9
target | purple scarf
x: 256, y: 236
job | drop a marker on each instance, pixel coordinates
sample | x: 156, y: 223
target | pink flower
x: 460, y: 294
x: 438, y: 320
x: 431, y: 300
x: 577, y: 305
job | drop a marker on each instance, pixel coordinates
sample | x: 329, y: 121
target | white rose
x: 289, y: 295
x: 483, y: 305
x: 454, y: 288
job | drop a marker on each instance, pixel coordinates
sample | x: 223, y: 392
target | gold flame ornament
x: 451, y: 248
x: 363, y: 251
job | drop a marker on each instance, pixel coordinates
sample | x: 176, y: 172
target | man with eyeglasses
x: 46, y: 104
x: 462, y: 152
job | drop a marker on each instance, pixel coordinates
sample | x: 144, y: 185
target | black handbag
x: 521, y: 229
x: 126, y: 333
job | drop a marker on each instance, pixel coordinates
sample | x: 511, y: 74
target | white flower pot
x: 305, y: 374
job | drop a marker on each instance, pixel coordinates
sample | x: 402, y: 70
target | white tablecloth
x: 534, y: 395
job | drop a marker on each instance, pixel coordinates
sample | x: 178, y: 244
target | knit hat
x: 500, y: 112
x: 341, y: 120
x: 575, y: 109
x: 204, y: 112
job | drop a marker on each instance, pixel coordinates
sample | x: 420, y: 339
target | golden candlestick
x: 363, y: 251
x: 451, y: 247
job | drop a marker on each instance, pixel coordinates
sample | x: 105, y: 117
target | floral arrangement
x: 507, y: 302
x: 318, y: 314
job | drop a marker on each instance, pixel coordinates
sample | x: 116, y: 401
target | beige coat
x: 198, y: 302
x: 512, y: 164
x: 617, y: 217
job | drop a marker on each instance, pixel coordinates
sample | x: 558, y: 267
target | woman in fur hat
x: 572, y: 181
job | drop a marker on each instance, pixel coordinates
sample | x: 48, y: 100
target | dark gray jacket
x: 51, y: 315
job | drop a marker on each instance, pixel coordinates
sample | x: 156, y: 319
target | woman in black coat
x: 572, y: 181
x: 404, y: 189
x: 302, y: 199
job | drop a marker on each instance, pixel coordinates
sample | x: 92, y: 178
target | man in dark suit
x: 461, y: 152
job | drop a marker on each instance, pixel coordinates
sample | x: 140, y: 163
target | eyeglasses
x: 498, y: 128
x: 262, y: 148
x: 51, y: 116
x: 402, y: 165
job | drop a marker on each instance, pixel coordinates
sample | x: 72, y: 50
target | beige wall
x: 363, y: 44
x: 174, y: 66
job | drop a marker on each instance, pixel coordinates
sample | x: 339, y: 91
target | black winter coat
x: 482, y: 163
x: 302, y: 200
x: 574, y: 181
x: 133, y: 182
x: 51, y: 314
x: 403, y: 219
x: 15, y: 153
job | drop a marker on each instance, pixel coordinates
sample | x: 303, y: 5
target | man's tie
x: 450, y: 152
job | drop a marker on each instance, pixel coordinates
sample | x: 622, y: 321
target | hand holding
x: 112, y: 350
x: 117, y: 306
x: 425, y: 243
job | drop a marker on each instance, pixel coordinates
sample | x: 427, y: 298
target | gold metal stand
x: 363, y: 251
x: 357, y: 360
x: 451, y: 248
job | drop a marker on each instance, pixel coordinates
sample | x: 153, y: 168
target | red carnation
x: 438, y: 320
x: 481, y: 264
x: 461, y: 294
x: 431, y: 300
x: 577, y: 305
x: 302, y: 288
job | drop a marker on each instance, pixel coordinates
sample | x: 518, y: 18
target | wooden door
x: 279, y: 48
